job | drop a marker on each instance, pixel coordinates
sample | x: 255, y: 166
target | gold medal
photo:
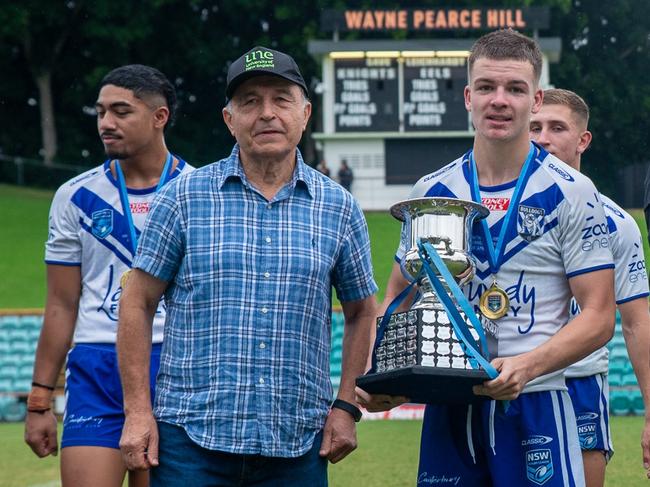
x: 494, y: 302
x: 125, y: 277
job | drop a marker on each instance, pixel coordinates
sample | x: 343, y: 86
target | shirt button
x: 269, y: 206
x: 267, y: 274
x: 262, y: 345
x: 265, y: 310
x: 261, y: 380
x: 268, y: 239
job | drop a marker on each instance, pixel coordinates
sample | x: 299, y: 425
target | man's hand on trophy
x: 376, y: 403
x: 513, y: 376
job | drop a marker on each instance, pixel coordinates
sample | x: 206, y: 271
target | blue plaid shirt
x: 245, y: 360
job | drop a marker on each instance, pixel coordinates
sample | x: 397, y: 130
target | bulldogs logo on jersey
x: 530, y: 222
x: 539, y: 466
x: 102, y: 223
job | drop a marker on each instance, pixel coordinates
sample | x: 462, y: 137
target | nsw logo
x: 530, y: 222
x: 561, y: 172
x: 102, y: 223
x: 539, y: 466
x: 587, y: 435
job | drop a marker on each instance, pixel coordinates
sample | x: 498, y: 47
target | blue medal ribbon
x: 495, y: 255
x: 124, y: 196
x: 427, y: 252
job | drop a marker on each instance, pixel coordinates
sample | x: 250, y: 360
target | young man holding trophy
x: 535, y: 250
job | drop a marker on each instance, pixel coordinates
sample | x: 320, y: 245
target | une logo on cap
x: 258, y: 60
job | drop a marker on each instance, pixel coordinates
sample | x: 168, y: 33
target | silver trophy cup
x: 419, y: 355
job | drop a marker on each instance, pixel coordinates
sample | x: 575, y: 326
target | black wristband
x: 354, y: 411
x: 36, y: 384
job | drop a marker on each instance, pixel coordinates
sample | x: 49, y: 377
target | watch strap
x: 350, y: 408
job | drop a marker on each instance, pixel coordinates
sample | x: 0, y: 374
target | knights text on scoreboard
x: 400, y: 94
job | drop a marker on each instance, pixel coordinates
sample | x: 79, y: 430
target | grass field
x: 24, y: 216
x: 387, y: 457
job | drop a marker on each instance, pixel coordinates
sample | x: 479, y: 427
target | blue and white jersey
x: 630, y: 278
x: 560, y: 232
x: 88, y: 228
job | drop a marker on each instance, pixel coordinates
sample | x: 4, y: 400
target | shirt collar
x: 232, y: 168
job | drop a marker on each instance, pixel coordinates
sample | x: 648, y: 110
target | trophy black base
x: 426, y: 385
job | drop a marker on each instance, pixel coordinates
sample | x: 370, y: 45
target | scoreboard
x: 400, y: 94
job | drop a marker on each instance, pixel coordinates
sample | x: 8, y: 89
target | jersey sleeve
x: 630, y: 278
x: 63, y: 245
x: 584, y: 237
x: 160, y: 247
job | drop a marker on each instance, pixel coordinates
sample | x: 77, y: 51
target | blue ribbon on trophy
x: 437, y: 350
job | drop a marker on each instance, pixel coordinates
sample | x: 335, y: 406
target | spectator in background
x: 322, y: 167
x: 345, y: 175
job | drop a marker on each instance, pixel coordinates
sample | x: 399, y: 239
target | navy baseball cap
x: 262, y: 61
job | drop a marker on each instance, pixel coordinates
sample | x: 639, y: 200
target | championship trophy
x: 437, y: 350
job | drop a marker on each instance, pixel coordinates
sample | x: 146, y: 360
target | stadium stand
x: 19, y: 336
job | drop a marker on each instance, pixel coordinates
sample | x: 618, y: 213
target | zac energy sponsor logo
x: 259, y: 60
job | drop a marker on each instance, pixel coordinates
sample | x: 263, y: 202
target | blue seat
x: 629, y: 379
x: 614, y: 379
x: 636, y: 400
x: 21, y: 346
x: 26, y: 371
x: 618, y: 353
x: 619, y: 402
x: 617, y: 366
x: 6, y: 385
x: 8, y: 371
x: 14, y: 411
x: 31, y: 322
x: 22, y: 385
x: 337, y: 354
x: 9, y: 322
x: 18, y: 334
x: 5, y: 347
x: 335, y: 369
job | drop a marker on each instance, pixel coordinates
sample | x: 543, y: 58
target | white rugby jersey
x: 88, y: 228
x: 630, y: 278
x: 560, y: 232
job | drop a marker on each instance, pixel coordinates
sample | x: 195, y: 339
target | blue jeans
x: 183, y: 462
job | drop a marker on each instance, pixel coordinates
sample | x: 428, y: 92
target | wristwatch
x: 354, y: 411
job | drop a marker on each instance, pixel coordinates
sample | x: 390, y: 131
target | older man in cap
x: 246, y: 251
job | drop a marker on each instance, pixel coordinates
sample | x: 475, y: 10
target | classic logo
x: 439, y: 172
x: 539, y: 466
x: 586, y: 416
x: 537, y: 440
x: 259, y: 60
x: 587, y: 435
x: 530, y: 222
x: 102, y: 223
x: 561, y: 172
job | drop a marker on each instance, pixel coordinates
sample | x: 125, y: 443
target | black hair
x: 142, y: 81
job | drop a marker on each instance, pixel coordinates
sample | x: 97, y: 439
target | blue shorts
x: 531, y: 443
x: 590, y: 398
x: 94, y: 413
